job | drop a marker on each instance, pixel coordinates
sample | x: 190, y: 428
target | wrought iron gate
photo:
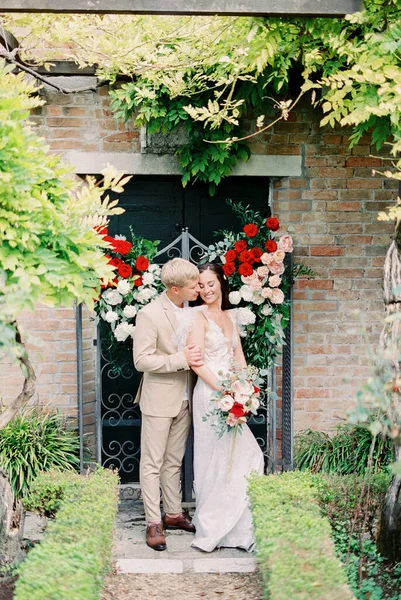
x: 118, y: 419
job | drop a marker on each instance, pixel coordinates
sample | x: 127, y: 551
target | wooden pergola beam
x: 284, y: 8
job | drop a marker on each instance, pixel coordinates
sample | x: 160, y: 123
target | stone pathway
x: 180, y: 571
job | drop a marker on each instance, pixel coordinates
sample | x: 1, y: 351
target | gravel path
x: 188, y: 586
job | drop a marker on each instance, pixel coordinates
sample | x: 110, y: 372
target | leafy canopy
x: 49, y: 249
x: 208, y: 75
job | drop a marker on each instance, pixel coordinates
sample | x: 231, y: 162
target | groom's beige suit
x: 163, y: 397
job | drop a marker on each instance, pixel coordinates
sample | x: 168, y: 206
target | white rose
x: 234, y: 297
x: 123, y: 287
x: 112, y: 297
x: 246, y: 293
x: 245, y: 316
x: 130, y: 311
x: 277, y: 296
x: 123, y: 331
x: 120, y: 237
x: 258, y: 298
x: 274, y: 281
x: 148, y: 278
x: 153, y: 268
x: 226, y: 402
x: 111, y: 316
x: 266, y: 310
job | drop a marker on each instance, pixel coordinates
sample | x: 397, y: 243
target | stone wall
x: 332, y: 207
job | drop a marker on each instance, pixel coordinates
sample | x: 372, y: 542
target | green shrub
x: 36, y: 441
x: 70, y: 562
x: 345, y: 452
x: 47, y: 492
x: 295, y: 553
x: 348, y: 500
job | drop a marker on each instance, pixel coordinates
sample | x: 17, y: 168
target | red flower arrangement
x: 272, y: 223
x: 229, y: 268
x: 231, y: 255
x: 245, y: 269
x: 271, y: 246
x: 251, y: 230
x: 142, y: 263
x: 241, y: 245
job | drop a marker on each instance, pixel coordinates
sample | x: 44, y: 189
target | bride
x: 222, y: 517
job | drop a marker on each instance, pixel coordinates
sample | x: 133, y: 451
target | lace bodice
x: 218, y: 350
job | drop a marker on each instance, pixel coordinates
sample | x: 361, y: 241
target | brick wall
x: 83, y: 121
x: 53, y: 354
x: 332, y: 208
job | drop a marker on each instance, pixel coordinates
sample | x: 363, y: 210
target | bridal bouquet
x: 238, y: 398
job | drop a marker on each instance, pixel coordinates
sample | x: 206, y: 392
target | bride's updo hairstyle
x: 218, y: 271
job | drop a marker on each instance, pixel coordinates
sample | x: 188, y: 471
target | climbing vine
x: 220, y: 78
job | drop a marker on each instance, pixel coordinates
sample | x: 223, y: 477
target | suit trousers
x: 163, y: 441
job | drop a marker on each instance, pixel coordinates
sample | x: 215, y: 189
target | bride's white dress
x: 222, y: 517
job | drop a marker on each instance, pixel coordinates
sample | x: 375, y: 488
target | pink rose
x: 277, y: 296
x: 267, y: 258
x: 285, y: 243
x: 255, y: 284
x: 232, y: 421
x: 247, y: 280
x: 263, y: 272
x: 274, y: 281
x: 279, y: 256
x: 267, y: 292
x: 276, y: 268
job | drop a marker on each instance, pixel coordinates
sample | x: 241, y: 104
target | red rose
x: 116, y: 262
x: 231, y: 255
x: 245, y: 256
x: 237, y: 410
x: 108, y: 238
x: 101, y: 230
x: 142, y: 263
x: 271, y: 246
x: 272, y: 223
x: 251, y: 230
x: 124, y: 271
x: 245, y: 269
x: 241, y: 245
x: 256, y: 254
x: 122, y: 246
x: 229, y: 268
x: 256, y: 389
x: 138, y: 281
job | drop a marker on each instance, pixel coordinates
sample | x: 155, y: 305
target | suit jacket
x: 166, y: 371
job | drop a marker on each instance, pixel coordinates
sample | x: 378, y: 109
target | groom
x: 164, y: 399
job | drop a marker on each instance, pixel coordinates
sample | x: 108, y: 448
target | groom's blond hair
x: 178, y: 272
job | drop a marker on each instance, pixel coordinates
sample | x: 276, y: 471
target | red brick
x: 365, y: 183
x: 65, y: 122
x: 355, y: 161
x: 318, y: 306
x: 315, y: 284
x: 344, y: 206
x: 335, y: 172
x: 327, y: 251
x: 124, y: 136
x: 73, y: 111
x: 347, y: 273
x: 332, y: 139
x: 53, y: 111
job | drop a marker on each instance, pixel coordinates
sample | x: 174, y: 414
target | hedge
x: 295, y: 553
x: 72, y: 559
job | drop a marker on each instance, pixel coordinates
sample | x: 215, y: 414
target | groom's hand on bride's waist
x: 193, y: 355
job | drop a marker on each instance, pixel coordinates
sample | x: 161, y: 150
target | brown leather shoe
x: 155, y: 538
x: 183, y: 521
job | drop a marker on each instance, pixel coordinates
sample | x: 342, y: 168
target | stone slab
x: 138, y: 565
x: 224, y: 565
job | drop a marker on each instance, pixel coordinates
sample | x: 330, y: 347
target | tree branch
x: 10, y: 58
x: 28, y: 388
